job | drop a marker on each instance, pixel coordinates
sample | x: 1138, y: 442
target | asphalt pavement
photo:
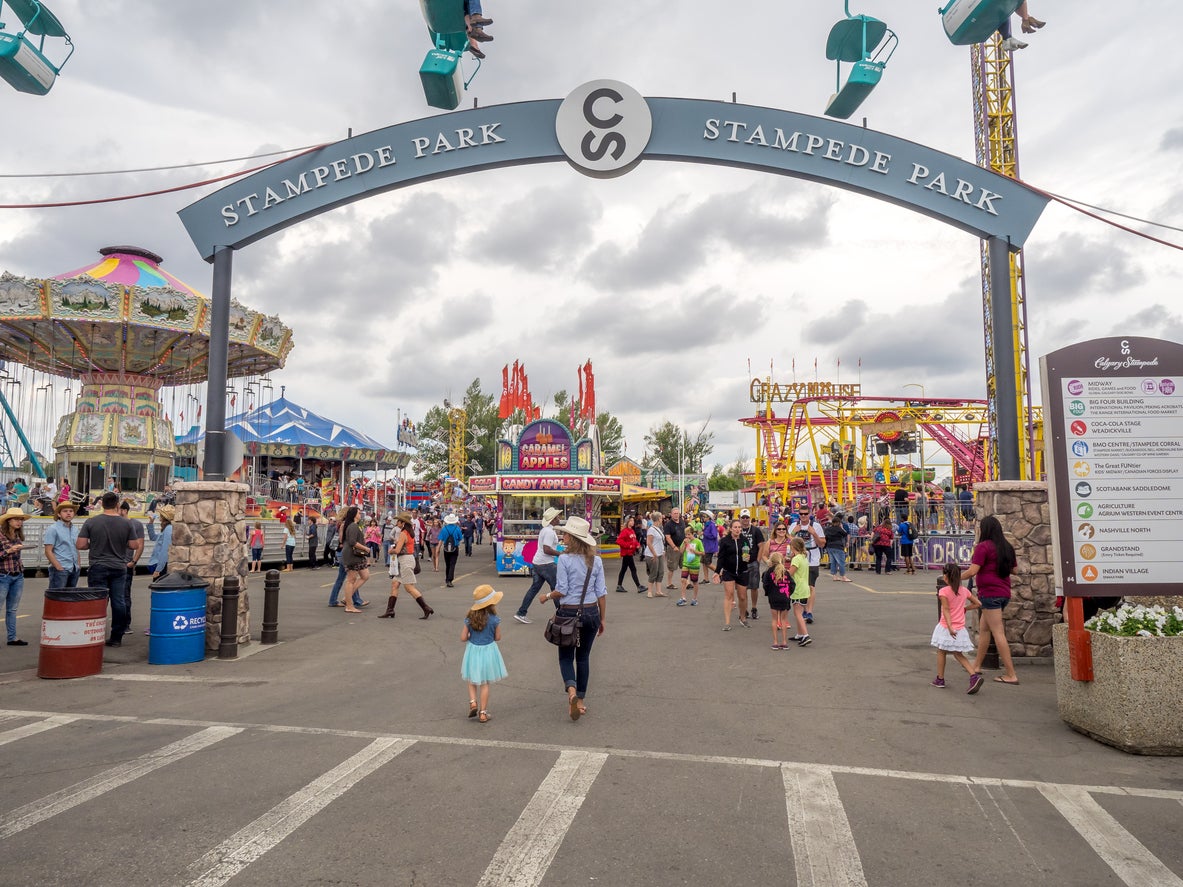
x: 343, y: 755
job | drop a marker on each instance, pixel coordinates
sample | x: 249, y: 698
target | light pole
x: 920, y: 447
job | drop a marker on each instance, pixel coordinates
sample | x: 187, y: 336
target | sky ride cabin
x: 541, y: 468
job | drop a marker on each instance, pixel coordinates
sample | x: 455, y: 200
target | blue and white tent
x: 286, y: 429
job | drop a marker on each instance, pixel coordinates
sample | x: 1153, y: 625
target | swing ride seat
x: 440, y: 73
x: 973, y: 21
x: 23, y: 64
x: 864, y: 77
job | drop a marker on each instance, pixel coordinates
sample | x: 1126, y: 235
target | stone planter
x: 1132, y: 701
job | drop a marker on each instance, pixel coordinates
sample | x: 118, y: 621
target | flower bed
x: 1132, y: 620
x: 1137, y: 666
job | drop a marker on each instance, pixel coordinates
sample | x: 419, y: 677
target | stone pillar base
x: 1021, y: 506
x: 209, y: 540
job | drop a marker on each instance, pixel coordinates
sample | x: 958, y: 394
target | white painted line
x: 33, y: 729
x: 249, y: 843
x: 89, y: 789
x: 1121, y: 851
x: 824, y: 852
x: 643, y: 754
x: 528, y: 849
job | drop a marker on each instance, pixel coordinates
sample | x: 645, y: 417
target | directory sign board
x: 1113, y: 426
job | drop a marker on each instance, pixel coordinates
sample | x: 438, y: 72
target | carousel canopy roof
x: 284, y: 422
x: 126, y: 314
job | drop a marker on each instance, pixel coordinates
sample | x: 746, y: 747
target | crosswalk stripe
x: 89, y: 789
x: 33, y: 729
x: 251, y: 842
x: 824, y: 852
x: 529, y: 847
x: 1126, y: 855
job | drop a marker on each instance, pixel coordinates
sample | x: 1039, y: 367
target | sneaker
x: 479, y: 21
x: 975, y: 684
x: 744, y: 624
x: 682, y: 602
x: 805, y: 641
x: 808, y: 618
x: 1010, y: 44
x: 753, y: 614
x: 522, y: 619
x: 939, y: 682
x: 694, y: 603
x: 620, y: 589
x: 480, y: 36
x: 727, y: 628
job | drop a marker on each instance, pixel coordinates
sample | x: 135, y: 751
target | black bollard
x: 228, y: 649
x: 270, y: 608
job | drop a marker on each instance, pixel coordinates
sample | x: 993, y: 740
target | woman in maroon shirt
x: 992, y: 562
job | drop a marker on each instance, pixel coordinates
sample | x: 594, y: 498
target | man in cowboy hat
x: 543, y: 566
x: 61, y: 547
x: 107, y: 537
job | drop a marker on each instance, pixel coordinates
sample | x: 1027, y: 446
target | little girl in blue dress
x: 482, y: 663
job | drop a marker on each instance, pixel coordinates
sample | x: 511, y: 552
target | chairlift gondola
x: 23, y: 62
x: 973, y: 21
x: 866, y: 44
x: 441, y: 74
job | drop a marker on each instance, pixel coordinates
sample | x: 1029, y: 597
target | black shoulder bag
x: 563, y: 631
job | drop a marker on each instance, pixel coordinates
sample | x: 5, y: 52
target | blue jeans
x: 837, y: 561
x: 10, y: 589
x: 114, y: 579
x: 63, y: 578
x: 341, y: 571
x: 548, y: 573
x: 575, y: 662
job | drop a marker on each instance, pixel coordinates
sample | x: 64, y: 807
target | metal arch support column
x: 214, y: 467
x: 1005, y: 362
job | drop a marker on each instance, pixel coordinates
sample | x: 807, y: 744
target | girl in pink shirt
x: 950, y: 635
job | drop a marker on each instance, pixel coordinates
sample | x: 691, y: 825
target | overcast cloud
x: 676, y: 280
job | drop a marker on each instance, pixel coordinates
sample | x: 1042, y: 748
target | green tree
x: 668, y: 441
x: 611, y: 431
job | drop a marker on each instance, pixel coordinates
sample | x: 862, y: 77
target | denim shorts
x: 994, y: 603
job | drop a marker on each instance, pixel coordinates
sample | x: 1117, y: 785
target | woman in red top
x: 992, y: 562
x: 629, y: 546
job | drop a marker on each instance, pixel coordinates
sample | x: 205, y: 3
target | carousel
x: 116, y: 332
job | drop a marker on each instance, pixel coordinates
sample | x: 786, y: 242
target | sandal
x: 472, y: 709
x: 573, y: 708
x: 484, y: 717
x: 348, y: 610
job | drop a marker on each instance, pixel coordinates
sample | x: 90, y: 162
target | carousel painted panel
x: 86, y: 299
x: 21, y: 298
x: 164, y: 308
x: 90, y: 430
x: 272, y: 337
x: 132, y: 431
x: 61, y: 437
x: 162, y: 430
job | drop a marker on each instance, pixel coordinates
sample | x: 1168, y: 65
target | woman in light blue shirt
x: 576, y: 564
x: 164, y: 540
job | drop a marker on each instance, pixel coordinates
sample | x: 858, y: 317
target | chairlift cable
x: 119, y: 172
x: 1073, y: 205
x: 192, y: 185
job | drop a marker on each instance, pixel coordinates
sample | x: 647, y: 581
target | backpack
x: 450, y: 543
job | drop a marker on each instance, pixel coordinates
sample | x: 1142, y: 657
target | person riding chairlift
x: 474, y: 23
x: 1030, y: 26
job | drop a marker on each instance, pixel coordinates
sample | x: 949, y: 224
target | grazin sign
x: 1114, y: 408
x: 605, y: 128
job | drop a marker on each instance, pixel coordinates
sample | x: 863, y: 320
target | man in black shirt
x: 674, y: 530
x: 753, y: 539
x: 108, y: 538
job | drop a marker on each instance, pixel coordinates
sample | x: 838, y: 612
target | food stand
x: 543, y: 469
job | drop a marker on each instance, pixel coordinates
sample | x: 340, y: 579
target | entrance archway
x: 605, y: 128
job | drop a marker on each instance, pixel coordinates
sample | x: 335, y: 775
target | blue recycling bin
x: 177, y: 625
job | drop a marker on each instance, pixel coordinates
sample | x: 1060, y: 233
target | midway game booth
x: 544, y: 469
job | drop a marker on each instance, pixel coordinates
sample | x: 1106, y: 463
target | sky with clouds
x: 672, y: 279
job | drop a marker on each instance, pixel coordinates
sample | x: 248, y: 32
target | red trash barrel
x: 73, y: 630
